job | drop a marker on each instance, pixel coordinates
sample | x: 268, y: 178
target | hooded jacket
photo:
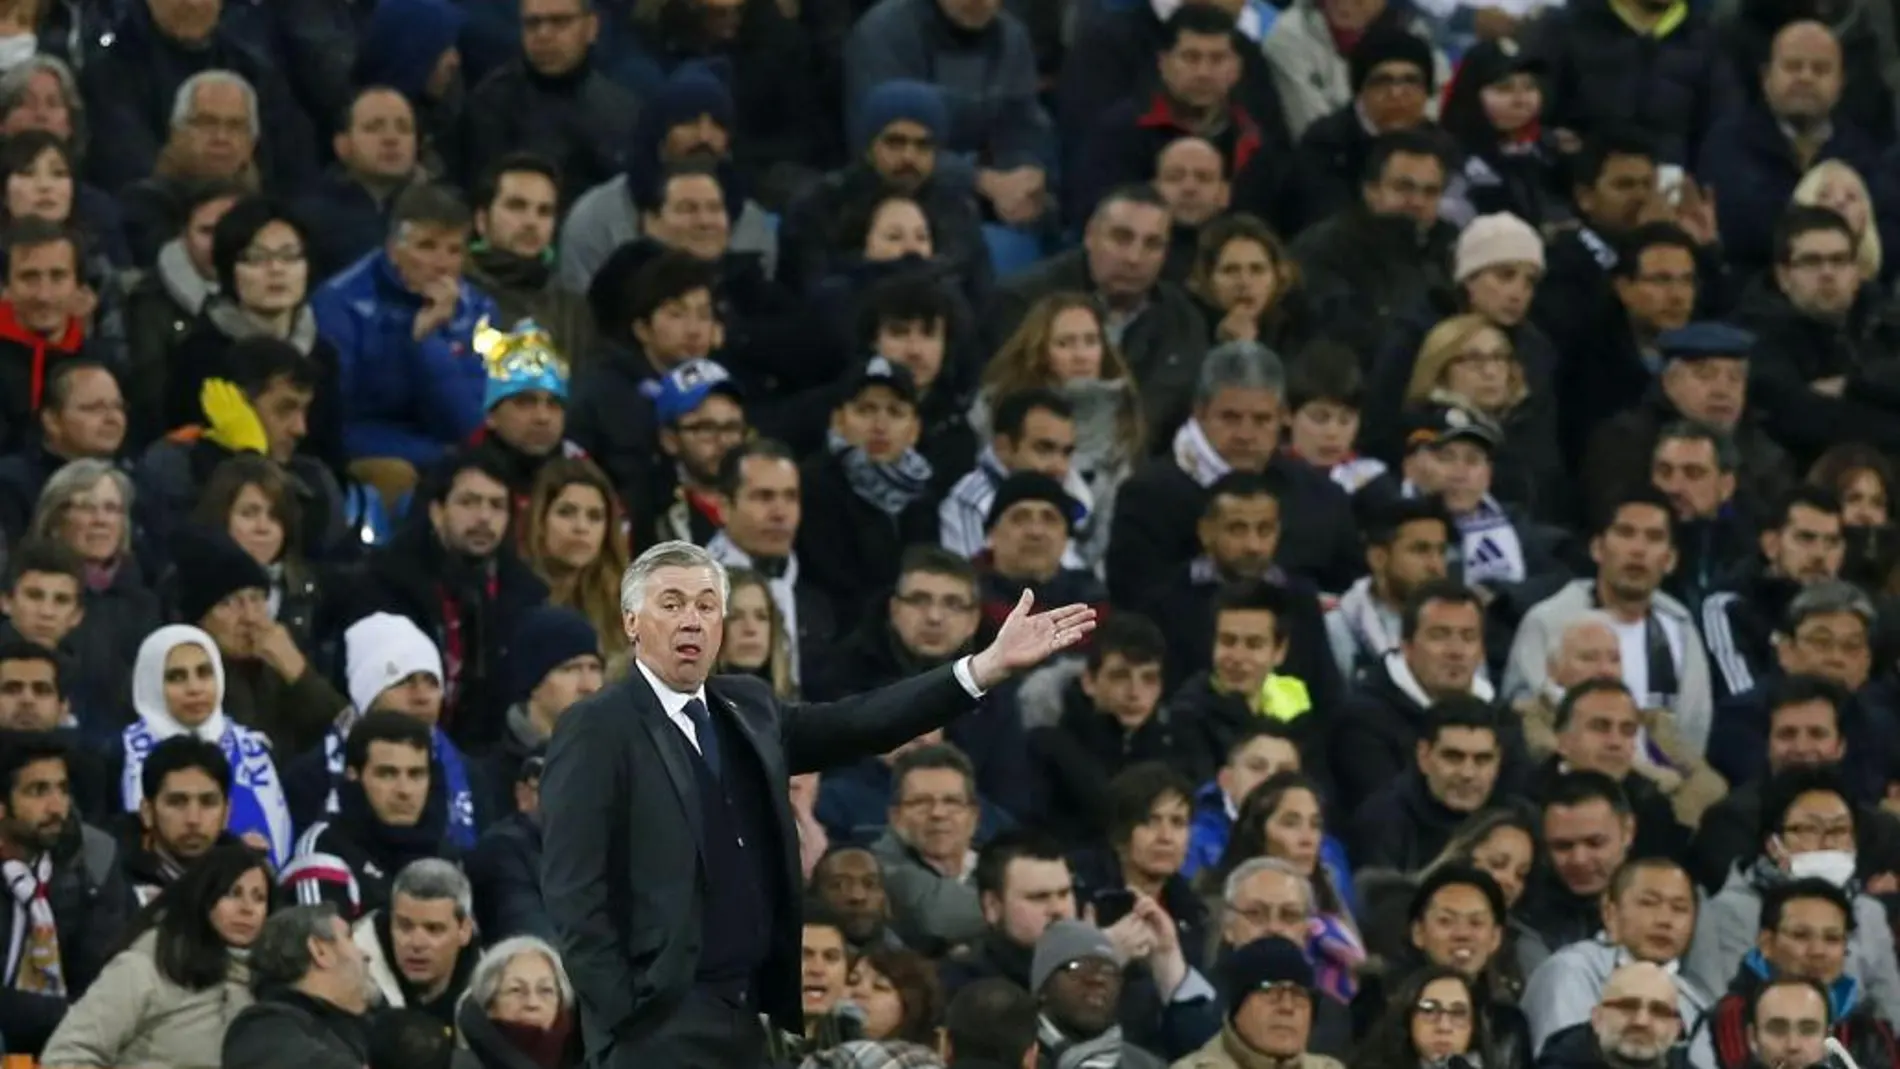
x: 1566, y: 987
x: 257, y: 792
x: 136, y: 1015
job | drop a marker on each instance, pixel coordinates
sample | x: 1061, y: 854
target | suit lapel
x: 771, y: 759
x: 671, y: 745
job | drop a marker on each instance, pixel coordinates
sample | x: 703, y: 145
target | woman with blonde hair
x: 1469, y: 362
x: 756, y: 643
x: 575, y: 539
x: 1063, y: 345
x: 1836, y: 185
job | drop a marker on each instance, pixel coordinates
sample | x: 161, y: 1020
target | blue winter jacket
x: 401, y: 398
x: 1207, y: 841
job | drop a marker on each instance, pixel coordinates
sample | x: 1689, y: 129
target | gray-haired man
x: 422, y: 949
x: 313, y: 994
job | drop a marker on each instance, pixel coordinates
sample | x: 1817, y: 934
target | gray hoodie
x: 1565, y: 988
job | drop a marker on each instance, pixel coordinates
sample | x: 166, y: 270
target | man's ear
x: 146, y: 815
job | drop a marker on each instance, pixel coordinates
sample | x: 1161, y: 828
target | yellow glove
x: 231, y: 421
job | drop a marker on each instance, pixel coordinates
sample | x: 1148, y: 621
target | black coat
x: 622, y: 824
x: 1159, y: 508
x: 505, y: 872
x: 1186, y: 607
x: 344, y: 220
x: 809, y: 246
x: 1793, y: 350
x: 1621, y: 448
x: 1364, y: 270
x: 1403, y: 827
x: 1375, y: 737
x: 581, y: 121
x: 286, y: 1029
x: 92, y: 906
x: 205, y: 353
x: 1576, y: 1048
x: 107, y: 639
x: 490, y: 1046
x: 851, y: 548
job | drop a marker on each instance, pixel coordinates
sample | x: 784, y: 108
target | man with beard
x: 517, y: 202
x: 1409, y: 822
x: 1405, y: 548
x: 314, y: 996
x: 1825, y: 339
x: 1649, y: 913
x: 1587, y: 833
x: 422, y: 949
x: 1802, y: 546
x: 457, y: 579
x: 1663, y: 660
x: 848, y: 882
x: 186, y: 787
x: 70, y: 900
x: 1635, y: 1025
x: 1076, y: 974
x: 1696, y: 467
x: 900, y: 133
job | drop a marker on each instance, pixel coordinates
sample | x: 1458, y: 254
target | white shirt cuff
x: 1193, y: 986
x: 965, y: 678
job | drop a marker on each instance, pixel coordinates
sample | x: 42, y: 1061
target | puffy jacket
x: 136, y: 1015
x: 401, y: 398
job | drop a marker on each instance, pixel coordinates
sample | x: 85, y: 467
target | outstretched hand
x: 1027, y: 640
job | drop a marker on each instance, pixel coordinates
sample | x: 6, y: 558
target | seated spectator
x: 1802, y: 947
x: 1387, y: 251
x: 1458, y: 917
x: 1404, y: 549
x: 554, y: 101
x: 571, y: 539
x: 178, y: 689
x: 39, y: 170
x: 43, y: 321
x: 1274, y: 1007
x: 84, y: 418
x: 215, y: 134
x: 270, y: 686
x: 1599, y: 729
x: 1258, y: 754
x: 524, y: 407
x: 131, y: 85
x: 1633, y: 547
x: 1063, y: 344
x: 759, y: 488
x: 1192, y: 181
x: 410, y: 46
x: 847, y: 883
x: 181, y: 816
x: 457, y: 575
x: 1282, y: 819
x: 1587, y: 832
x: 261, y: 506
x: 505, y: 866
x: 1077, y: 976
x: 421, y: 947
x: 34, y: 682
x: 1235, y: 427
x: 899, y: 145
x: 86, y: 506
x: 1393, y: 80
x: 1267, y: 897
x: 1240, y: 534
x: 1030, y: 522
x: 1808, y: 828
x: 868, y: 492
x: 1801, y: 546
x: 170, y: 996
x: 1149, y: 806
x: 389, y: 814
x: 71, y: 902
x: 1635, y: 1022
x: 314, y: 995
x: 930, y: 620
x: 44, y: 604
x: 824, y: 957
x: 1822, y: 331
x: 927, y: 852
x: 163, y: 301
x: 700, y: 414
x: 1696, y: 468
x: 1649, y: 914
x: 688, y: 117
x: 1459, y: 758
x: 1023, y: 883
x: 756, y: 642
x: 553, y: 661
x: 1033, y: 430
x: 1705, y: 368
x: 1440, y: 656
x: 1162, y: 334
x: 1861, y: 476
x: 1510, y: 163
x: 991, y: 1022
x: 897, y: 989
x: 349, y: 205
x: 517, y: 203
x: 1324, y: 398
x: 1310, y: 64
x: 1502, y: 844
x: 1089, y: 719
x: 1834, y: 184
x: 520, y: 1008
x: 1434, y: 1017
x: 402, y: 320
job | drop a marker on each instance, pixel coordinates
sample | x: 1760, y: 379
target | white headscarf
x: 148, y: 682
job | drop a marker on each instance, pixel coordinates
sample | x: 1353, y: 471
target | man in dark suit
x: 670, y: 860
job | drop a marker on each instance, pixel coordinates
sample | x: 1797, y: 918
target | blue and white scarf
x: 257, y: 792
x: 461, y: 830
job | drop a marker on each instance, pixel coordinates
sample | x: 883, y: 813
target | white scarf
x: 1490, y: 547
x: 1195, y: 455
x: 1365, y: 619
x: 1409, y: 685
x: 33, y: 912
x: 784, y: 588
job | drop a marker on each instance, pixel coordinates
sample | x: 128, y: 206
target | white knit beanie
x: 1490, y: 240
x: 382, y: 650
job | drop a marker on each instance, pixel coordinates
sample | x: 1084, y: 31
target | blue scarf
x: 462, y: 832
x: 257, y: 794
x: 1842, y: 995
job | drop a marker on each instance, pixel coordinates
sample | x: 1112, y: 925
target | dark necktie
x: 701, y: 717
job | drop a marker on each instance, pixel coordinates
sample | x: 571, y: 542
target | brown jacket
x: 1226, y: 1051
x: 1691, y: 786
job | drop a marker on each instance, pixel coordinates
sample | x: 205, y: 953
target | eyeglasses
x: 1285, y: 916
x: 923, y: 602
x: 521, y: 992
x: 924, y: 803
x: 1662, y: 1011
x: 537, y: 23
x: 1282, y: 991
x: 1827, y: 836
x: 1811, y: 261
x: 264, y: 257
x: 1432, y: 1009
x: 714, y: 429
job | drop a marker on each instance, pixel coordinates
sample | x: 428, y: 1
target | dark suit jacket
x: 620, y: 869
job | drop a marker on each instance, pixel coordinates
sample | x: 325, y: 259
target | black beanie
x: 211, y: 567
x: 1030, y: 486
x: 1388, y: 44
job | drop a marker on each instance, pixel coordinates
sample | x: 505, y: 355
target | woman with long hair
x: 40, y: 182
x: 1249, y: 285
x: 1063, y: 345
x: 518, y: 1012
x: 251, y: 498
x: 169, y: 996
x: 1501, y: 843
x: 756, y: 643
x: 1469, y: 362
x: 899, y: 994
x: 1865, y: 480
x: 575, y: 539
x: 1510, y: 164
x: 1282, y: 818
x: 1436, y: 1015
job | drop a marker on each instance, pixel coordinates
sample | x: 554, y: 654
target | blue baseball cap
x: 687, y: 386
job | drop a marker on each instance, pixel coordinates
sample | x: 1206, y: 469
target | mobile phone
x: 1112, y: 905
x: 1669, y: 178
